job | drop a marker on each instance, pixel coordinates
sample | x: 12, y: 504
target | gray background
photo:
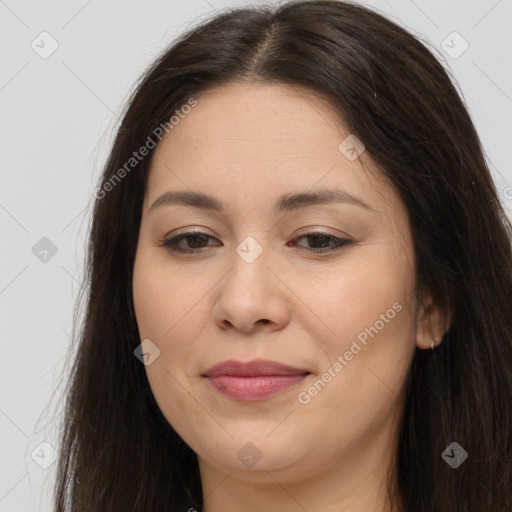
x: 58, y: 117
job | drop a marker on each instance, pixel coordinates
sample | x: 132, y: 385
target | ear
x: 432, y: 322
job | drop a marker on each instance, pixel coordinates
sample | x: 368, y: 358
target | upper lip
x: 252, y: 368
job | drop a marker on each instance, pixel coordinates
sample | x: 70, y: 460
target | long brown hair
x: 118, y: 452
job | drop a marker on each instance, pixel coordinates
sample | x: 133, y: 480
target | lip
x: 253, y: 380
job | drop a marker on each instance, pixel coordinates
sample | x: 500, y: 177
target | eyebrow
x: 285, y: 202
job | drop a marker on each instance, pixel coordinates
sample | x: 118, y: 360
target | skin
x: 247, y: 144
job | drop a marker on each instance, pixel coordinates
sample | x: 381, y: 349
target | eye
x: 196, y: 240
x: 323, y: 239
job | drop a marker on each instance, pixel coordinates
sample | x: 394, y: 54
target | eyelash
x: 171, y: 243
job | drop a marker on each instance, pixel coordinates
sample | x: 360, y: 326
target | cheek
x: 369, y: 298
x: 163, y: 310
x: 165, y: 300
x: 358, y: 391
x: 171, y: 310
x: 370, y: 311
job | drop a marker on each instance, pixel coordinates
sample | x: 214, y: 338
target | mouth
x: 255, y: 380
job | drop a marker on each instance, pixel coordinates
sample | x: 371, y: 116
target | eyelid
x: 315, y: 229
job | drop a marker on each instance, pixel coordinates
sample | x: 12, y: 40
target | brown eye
x: 194, y: 242
x: 322, y: 240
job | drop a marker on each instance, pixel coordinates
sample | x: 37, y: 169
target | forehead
x: 265, y: 140
x: 239, y: 118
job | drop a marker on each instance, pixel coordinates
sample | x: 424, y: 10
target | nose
x: 251, y: 298
x: 249, y: 328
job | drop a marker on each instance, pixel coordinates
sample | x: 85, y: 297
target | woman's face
x: 256, y: 289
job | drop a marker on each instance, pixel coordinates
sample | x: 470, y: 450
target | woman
x: 300, y: 282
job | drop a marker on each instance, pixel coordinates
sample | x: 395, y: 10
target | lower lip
x: 252, y: 389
